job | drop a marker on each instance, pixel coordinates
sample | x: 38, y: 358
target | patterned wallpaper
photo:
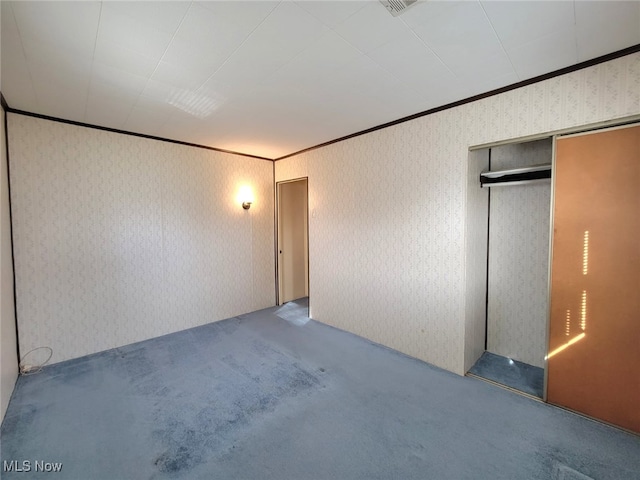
x: 388, y: 240
x: 120, y: 238
x: 519, y: 258
x: 292, y: 167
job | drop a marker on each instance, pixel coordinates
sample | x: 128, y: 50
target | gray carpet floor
x: 512, y: 373
x: 262, y: 397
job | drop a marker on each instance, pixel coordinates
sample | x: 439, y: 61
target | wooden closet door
x: 593, y: 362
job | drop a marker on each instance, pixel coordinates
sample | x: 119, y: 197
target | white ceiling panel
x: 429, y: 11
x: 186, y: 54
x: 370, y: 27
x: 545, y: 54
x: 236, y: 79
x: 105, y: 112
x: 286, y: 32
x: 156, y: 92
x: 148, y: 104
x: 213, y: 130
x: 448, y: 88
x: 517, y: 23
x: 68, y: 25
x: 112, y: 92
x: 205, y: 30
x: 16, y: 77
x: 332, y: 12
x: 466, y: 37
x: 10, y: 34
x: 190, y: 78
x: 128, y: 83
x: 491, y: 67
x: 130, y: 33
x: 145, y: 121
x: 366, y: 77
x: 245, y: 16
x: 21, y: 93
x: 52, y: 74
x: 410, y: 60
x: 604, y: 27
x: 487, y: 83
x: 123, y: 58
x: 44, y: 55
x: 60, y: 100
x: 165, y: 16
x: 271, y: 77
x: 323, y: 57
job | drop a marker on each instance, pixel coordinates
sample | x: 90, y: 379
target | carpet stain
x: 175, y: 461
x: 134, y: 365
x: 223, y: 412
x: 232, y: 362
x: 295, y: 381
x: 153, y: 386
x: 262, y: 349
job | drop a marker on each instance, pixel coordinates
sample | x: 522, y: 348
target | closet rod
x: 516, y: 182
x: 515, y: 176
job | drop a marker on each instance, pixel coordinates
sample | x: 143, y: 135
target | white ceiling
x: 271, y: 78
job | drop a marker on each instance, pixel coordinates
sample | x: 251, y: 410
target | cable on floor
x: 28, y: 369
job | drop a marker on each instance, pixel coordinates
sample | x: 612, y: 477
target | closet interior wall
x: 518, y: 257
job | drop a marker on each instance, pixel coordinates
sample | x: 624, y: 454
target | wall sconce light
x: 246, y: 197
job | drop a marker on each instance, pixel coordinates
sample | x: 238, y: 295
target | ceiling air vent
x: 396, y: 7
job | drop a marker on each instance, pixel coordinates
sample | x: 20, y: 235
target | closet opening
x: 512, y: 197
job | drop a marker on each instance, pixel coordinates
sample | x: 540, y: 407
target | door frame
x: 277, y: 239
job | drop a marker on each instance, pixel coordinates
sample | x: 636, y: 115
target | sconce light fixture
x: 246, y: 197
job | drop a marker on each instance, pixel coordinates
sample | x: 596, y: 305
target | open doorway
x: 293, y: 244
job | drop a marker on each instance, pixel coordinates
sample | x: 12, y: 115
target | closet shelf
x: 513, y: 176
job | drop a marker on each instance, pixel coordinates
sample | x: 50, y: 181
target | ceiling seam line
x: 158, y: 64
x: 226, y: 60
x: 499, y: 40
x: 93, y: 60
x: 24, y: 54
x: 421, y: 40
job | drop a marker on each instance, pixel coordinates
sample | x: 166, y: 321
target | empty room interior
x: 315, y: 239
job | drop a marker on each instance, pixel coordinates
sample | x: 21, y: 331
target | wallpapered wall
x: 8, y: 355
x: 120, y: 238
x: 519, y: 257
x: 387, y: 242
